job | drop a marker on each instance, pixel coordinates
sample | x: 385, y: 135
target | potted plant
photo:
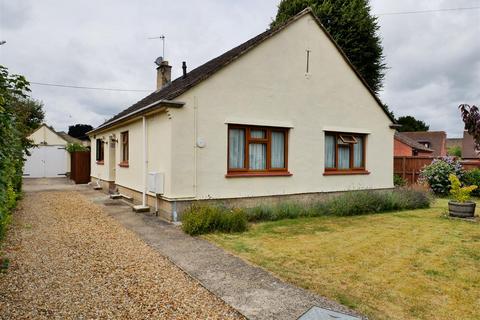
x: 461, y: 207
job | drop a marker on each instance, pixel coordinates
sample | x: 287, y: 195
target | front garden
x: 388, y: 254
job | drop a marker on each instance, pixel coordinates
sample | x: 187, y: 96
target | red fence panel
x: 80, y: 167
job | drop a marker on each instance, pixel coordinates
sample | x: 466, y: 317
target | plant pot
x: 461, y: 209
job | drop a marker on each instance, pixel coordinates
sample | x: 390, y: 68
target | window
x: 100, y: 145
x: 124, y: 141
x: 344, y: 153
x: 257, y: 151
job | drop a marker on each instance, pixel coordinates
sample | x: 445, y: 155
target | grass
x: 413, y: 264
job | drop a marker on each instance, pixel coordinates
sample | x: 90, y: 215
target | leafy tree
x: 29, y: 116
x: 79, y: 131
x: 409, y: 123
x: 471, y: 119
x: 13, y: 88
x: 455, y: 151
x: 352, y: 26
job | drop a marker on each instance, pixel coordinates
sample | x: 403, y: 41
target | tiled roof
x: 412, y: 143
x: 436, y: 140
x: 192, y: 78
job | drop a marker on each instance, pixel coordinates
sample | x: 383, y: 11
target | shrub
x: 472, y: 177
x: 459, y: 193
x: 436, y: 174
x: 455, y: 151
x: 76, y: 147
x: 399, y: 181
x: 201, y: 219
x: 346, y: 204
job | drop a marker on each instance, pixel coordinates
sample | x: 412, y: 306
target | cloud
x: 433, y: 58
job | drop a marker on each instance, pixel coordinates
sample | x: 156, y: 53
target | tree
x: 13, y: 142
x: 471, y: 119
x: 409, y: 123
x: 29, y: 116
x: 79, y: 131
x: 353, y: 28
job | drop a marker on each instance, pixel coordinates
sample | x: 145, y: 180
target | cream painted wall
x: 159, y: 153
x: 269, y: 85
x: 44, y: 135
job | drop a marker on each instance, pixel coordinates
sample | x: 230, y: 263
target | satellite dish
x: 159, y: 61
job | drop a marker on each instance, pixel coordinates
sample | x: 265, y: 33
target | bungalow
x: 283, y: 116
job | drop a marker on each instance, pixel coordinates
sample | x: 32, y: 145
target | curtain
x: 278, y: 149
x: 257, y: 134
x: 329, y: 151
x: 343, y: 157
x: 257, y: 156
x: 358, y: 153
x: 236, y: 144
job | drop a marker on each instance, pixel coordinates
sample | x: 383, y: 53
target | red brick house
x: 406, y: 147
x: 433, y: 140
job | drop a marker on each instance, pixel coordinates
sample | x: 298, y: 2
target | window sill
x: 260, y: 174
x: 345, y: 172
x: 100, y: 163
x: 123, y: 164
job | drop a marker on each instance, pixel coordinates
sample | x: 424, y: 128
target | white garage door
x: 46, y: 162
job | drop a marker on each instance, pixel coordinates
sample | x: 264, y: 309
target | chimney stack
x: 184, y: 67
x: 164, y: 73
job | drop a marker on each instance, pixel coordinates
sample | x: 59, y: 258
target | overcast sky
x: 433, y: 58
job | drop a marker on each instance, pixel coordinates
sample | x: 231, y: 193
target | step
x: 141, y: 208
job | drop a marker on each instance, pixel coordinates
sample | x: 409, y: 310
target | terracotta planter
x: 461, y: 209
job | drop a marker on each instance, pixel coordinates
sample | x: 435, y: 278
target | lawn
x: 405, y: 265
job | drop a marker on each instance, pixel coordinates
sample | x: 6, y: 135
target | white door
x: 46, y: 162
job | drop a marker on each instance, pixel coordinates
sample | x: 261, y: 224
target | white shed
x: 49, y: 159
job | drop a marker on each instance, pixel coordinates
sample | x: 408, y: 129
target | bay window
x: 254, y: 150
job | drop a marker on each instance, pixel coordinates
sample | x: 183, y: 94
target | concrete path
x: 254, y: 292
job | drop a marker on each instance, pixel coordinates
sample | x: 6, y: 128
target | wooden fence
x: 80, y: 167
x: 409, y: 167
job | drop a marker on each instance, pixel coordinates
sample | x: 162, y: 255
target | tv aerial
x: 162, y: 37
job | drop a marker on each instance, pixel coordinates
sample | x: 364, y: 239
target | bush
x: 436, y: 174
x: 347, y: 204
x: 455, y: 151
x: 459, y: 193
x: 399, y: 181
x: 201, y: 219
x: 472, y: 178
x: 76, y: 147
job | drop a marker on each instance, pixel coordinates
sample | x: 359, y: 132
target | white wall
x: 269, y: 85
x: 159, y: 153
x: 45, y: 136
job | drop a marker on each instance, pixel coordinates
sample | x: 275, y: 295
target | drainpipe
x: 145, y: 161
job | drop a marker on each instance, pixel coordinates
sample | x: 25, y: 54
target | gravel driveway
x: 69, y: 260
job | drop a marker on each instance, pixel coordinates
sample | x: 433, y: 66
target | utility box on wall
x: 156, y: 182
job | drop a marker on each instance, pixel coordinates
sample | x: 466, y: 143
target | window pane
x: 278, y: 149
x: 343, y: 157
x: 329, y: 151
x: 236, y: 145
x: 358, y: 153
x: 257, y: 156
x: 257, y: 134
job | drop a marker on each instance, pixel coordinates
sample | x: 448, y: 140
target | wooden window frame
x: 100, y: 151
x: 351, y: 170
x: 125, y: 149
x: 268, y: 171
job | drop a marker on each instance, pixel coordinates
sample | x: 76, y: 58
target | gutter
x: 159, y: 103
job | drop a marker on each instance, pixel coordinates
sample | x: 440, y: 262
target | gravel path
x: 69, y: 260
